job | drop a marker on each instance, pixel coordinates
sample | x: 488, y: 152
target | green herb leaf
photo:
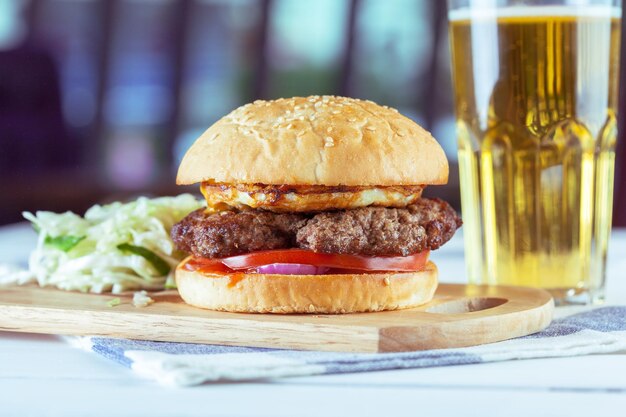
x: 65, y: 243
x: 157, y: 262
x: 114, y: 302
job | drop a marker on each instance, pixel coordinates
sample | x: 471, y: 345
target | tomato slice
x: 413, y: 262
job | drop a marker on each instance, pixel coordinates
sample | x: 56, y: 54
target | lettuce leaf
x: 157, y: 262
x: 65, y: 243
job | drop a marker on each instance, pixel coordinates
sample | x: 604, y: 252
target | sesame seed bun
x: 318, y: 140
x: 321, y: 294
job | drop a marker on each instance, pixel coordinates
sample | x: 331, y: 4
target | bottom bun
x: 321, y: 294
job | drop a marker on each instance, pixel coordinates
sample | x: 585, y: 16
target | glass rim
x: 588, y: 11
x: 472, y: 9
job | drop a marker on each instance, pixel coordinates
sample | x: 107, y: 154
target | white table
x: 43, y: 376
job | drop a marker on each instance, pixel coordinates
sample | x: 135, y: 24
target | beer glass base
x: 576, y: 296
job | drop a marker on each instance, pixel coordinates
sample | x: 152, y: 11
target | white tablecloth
x: 43, y: 376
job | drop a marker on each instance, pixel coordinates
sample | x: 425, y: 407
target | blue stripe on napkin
x: 606, y: 319
x: 114, y: 348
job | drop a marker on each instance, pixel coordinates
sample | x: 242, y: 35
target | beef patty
x: 373, y: 231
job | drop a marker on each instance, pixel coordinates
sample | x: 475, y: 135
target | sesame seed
x: 400, y: 133
x: 371, y: 128
x: 289, y: 126
x: 301, y: 117
x: 387, y: 282
x: 336, y: 112
x: 352, y: 119
x: 330, y: 129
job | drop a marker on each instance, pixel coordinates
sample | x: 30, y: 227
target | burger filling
x: 304, y: 262
x: 305, y: 198
x: 356, y: 239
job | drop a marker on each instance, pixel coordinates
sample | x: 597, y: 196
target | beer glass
x: 536, y: 86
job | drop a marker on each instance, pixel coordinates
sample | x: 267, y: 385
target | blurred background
x: 99, y: 99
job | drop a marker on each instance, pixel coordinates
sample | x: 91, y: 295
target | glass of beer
x: 536, y: 86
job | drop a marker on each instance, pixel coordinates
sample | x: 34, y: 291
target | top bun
x: 317, y: 140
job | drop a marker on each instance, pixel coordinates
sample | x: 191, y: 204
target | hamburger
x: 314, y: 205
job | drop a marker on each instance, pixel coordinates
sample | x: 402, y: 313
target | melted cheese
x: 305, y: 198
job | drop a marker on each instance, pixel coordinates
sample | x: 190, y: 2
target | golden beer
x: 536, y: 100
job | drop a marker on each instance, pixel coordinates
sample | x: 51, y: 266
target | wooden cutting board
x: 460, y: 315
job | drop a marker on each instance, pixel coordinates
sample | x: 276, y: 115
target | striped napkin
x: 601, y: 330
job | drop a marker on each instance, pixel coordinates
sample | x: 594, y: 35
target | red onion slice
x: 291, y: 269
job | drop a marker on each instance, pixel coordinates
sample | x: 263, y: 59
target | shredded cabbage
x: 114, y: 302
x: 141, y: 299
x: 116, y: 247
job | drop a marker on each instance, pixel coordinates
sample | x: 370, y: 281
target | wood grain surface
x: 460, y: 315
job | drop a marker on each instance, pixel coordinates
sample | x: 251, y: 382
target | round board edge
x: 502, y: 322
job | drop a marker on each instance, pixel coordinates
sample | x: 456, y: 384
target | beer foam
x: 593, y: 11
